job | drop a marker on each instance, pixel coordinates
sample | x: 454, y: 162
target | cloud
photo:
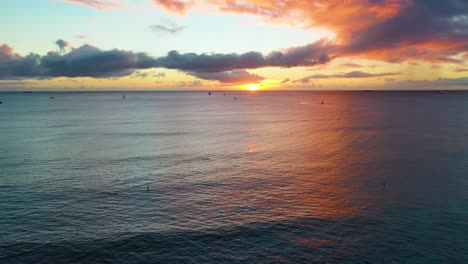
x: 422, y: 21
x: 425, y: 29
x: 6, y: 53
x: 81, y: 36
x: 145, y: 74
x: 350, y: 65
x: 13, y: 66
x: 85, y: 61
x: 389, y: 30
x: 303, y: 80
x: 351, y: 75
x: 193, y: 84
x: 235, y: 76
x: 174, y: 5
x: 439, y: 84
x: 316, y: 53
x: 167, y: 27
x: 19, y: 83
x: 460, y: 70
x: 89, y: 61
x: 97, y: 4
x: 62, y: 45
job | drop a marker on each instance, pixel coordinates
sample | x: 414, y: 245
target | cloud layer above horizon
x: 390, y: 31
x: 89, y: 61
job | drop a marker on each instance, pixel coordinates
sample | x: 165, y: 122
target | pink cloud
x: 6, y: 53
x: 81, y: 36
x: 97, y: 4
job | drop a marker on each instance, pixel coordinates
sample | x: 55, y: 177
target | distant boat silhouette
x: 209, y: 93
x: 322, y: 102
x: 51, y: 97
x: 1, y: 102
x: 235, y: 98
x: 123, y: 96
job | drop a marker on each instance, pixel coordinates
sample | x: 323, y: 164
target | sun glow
x: 252, y: 86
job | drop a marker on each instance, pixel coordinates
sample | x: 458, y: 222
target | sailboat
x: 123, y: 96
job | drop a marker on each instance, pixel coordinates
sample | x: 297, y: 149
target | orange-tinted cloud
x: 341, y: 16
x: 174, y: 5
x: 390, y: 30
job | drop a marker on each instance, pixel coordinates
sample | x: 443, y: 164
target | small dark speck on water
x: 51, y: 97
x: 384, y: 185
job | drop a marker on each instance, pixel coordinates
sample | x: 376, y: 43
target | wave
x: 311, y: 240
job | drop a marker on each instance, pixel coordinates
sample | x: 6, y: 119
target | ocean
x: 269, y: 177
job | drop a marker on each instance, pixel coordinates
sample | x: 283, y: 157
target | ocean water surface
x: 272, y: 177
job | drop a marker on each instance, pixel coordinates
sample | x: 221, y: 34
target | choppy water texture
x: 378, y: 177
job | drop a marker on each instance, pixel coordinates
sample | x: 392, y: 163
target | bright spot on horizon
x: 252, y: 86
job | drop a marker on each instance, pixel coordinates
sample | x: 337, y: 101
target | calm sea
x: 168, y: 177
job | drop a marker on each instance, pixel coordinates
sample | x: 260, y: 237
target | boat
x: 209, y: 93
x: 123, y: 96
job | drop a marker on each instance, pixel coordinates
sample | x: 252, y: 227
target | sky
x: 233, y: 44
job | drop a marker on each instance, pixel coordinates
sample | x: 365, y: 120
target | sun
x: 252, y: 86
